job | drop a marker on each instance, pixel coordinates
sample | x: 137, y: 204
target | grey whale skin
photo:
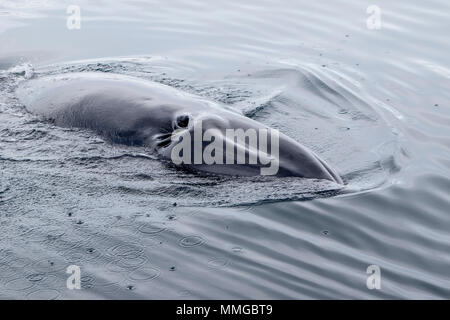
x: 134, y: 111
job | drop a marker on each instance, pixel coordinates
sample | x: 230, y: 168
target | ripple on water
x: 106, y: 288
x: 44, y: 294
x: 152, y: 229
x: 43, y: 234
x: 16, y: 262
x: 145, y: 273
x: 191, y: 241
x: 218, y: 263
x: 48, y: 265
x: 73, y: 256
x: 126, y: 264
x: 36, y: 277
x: 87, y: 281
x: 19, y: 284
x: 126, y: 250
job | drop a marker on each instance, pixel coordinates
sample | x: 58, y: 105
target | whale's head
x: 223, y: 142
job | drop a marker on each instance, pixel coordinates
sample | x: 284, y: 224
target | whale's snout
x: 335, y: 176
x: 210, y: 144
x: 297, y: 160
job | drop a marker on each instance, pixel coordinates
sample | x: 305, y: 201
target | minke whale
x: 188, y: 130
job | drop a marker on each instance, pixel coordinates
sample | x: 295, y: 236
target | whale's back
x: 104, y: 103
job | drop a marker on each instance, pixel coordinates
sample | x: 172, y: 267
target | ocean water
x: 373, y: 100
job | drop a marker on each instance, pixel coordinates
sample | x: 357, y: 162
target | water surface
x: 372, y: 103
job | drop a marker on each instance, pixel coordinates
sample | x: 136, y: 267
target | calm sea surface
x: 365, y: 84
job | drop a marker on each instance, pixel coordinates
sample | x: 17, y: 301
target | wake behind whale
x: 132, y: 111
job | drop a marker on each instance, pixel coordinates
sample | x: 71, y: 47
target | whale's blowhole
x: 182, y: 121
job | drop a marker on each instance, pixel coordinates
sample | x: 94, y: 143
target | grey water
x: 372, y: 101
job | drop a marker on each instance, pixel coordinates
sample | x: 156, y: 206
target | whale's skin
x: 135, y: 111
